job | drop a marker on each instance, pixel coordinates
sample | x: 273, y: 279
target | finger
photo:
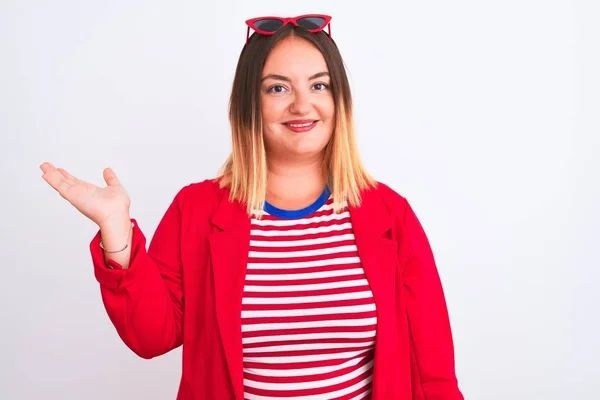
x: 66, y: 174
x: 46, y: 167
x: 58, y: 182
x: 53, y: 177
x: 110, y: 177
x: 63, y: 187
x: 68, y: 177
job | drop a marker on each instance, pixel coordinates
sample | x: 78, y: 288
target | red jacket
x: 187, y: 289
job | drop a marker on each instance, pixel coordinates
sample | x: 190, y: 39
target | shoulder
x: 386, y: 191
x: 395, y: 202
x: 399, y: 208
x: 206, y: 194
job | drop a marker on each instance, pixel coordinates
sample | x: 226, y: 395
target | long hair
x: 245, y: 171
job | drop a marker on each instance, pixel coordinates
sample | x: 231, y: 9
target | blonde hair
x: 245, y: 170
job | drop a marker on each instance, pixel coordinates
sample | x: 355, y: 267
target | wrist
x: 116, y: 233
x: 116, y: 223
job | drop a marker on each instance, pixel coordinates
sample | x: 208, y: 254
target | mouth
x: 301, y: 126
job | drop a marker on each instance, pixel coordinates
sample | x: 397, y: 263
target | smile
x: 300, y: 126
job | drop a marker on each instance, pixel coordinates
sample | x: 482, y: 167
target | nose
x: 301, y: 104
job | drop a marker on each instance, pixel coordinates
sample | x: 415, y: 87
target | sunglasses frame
x: 293, y: 20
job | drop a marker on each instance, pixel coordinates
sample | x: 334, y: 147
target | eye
x: 321, y: 86
x: 276, y: 89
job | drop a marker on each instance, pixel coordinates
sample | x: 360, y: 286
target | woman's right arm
x: 141, y: 290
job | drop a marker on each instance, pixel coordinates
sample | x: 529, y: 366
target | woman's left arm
x: 428, y: 319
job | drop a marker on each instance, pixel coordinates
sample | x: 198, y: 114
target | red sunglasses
x: 269, y: 25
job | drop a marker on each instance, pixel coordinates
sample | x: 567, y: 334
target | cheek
x: 327, y: 112
x: 327, y: 108
x: 272, y: 110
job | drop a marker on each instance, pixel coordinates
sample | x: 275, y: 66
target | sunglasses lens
x: 268, y: 25
x: 311, y: 23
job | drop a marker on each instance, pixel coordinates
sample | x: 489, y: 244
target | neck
x: 295, y: 186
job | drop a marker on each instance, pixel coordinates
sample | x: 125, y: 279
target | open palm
x: 98, y: 204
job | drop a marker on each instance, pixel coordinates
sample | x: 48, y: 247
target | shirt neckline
x: 301, y: 213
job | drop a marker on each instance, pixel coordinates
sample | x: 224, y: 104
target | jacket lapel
x: 378, y: 253
x: 229, y: 246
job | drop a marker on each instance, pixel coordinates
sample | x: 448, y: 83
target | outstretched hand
x: 100, y: 204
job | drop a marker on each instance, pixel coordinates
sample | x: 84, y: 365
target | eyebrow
x: 286, y: 79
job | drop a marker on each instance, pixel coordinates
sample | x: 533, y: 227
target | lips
x: 301, y: 125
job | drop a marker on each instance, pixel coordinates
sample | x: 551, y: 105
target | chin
x: 310, y: 145
x: 307, y: 151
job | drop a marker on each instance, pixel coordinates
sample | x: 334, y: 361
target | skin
x: 296, y: 86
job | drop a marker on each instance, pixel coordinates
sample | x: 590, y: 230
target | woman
x: 293, y: 274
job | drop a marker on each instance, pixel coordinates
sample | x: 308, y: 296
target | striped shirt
x: 308, y: 315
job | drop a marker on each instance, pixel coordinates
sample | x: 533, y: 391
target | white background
x: 484, y: 114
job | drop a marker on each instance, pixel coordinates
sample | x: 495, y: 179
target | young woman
x: 293, y: 274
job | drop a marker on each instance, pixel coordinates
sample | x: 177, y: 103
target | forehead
x: 295, y: 57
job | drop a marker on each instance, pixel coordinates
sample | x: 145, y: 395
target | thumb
x: 110, y: 177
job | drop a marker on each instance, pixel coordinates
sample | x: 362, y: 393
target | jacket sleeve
x: 432, y: 346
x: 145, y: 301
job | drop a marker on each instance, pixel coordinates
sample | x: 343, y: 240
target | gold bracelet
x: 126, y: 244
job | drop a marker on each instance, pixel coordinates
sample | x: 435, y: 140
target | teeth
x: 300, y: 125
